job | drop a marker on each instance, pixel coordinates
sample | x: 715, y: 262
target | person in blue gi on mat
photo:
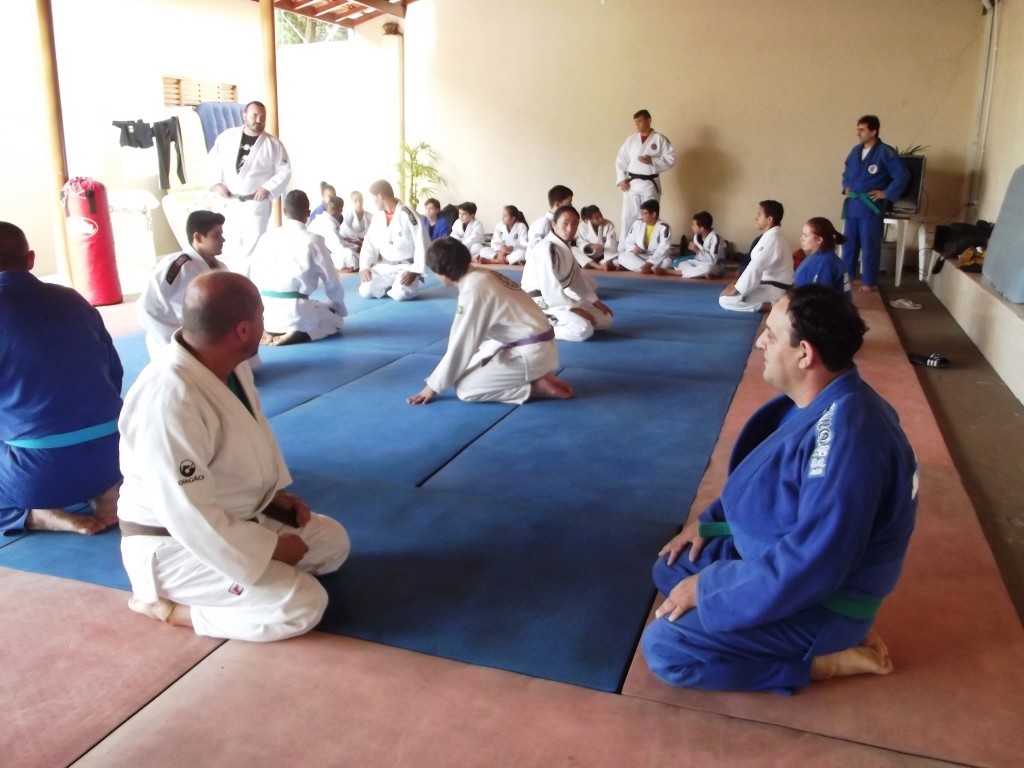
x: 874, y: 175
x: 60, y: 396
x: 777, y: 583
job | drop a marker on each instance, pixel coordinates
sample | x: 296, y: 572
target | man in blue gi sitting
x: 60, y: 396
x: 777, y: 583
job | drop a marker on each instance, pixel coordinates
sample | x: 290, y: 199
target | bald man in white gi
x: 641, y: 160
x: 249, y: 168
x: 210, y: 539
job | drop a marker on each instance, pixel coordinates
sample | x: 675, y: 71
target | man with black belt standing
x: 250, y: 168
x: 643, y: 157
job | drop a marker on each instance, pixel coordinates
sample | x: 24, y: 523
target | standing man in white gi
x: 642, y: 158
x: 249, y: 167
x: 210, y: 538
x: 288, y: 265
x: 393, y: 257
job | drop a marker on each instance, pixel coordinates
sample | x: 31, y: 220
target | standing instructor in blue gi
x: 874, y: 176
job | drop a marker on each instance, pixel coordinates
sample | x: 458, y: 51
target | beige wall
x: 519, y: 96
x: 1005, y: 147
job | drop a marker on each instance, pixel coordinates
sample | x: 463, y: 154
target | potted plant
x: 417, y: 172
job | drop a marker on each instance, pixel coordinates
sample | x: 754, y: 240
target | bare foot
x: 59, y: 520
x: 871, y: 657
x: 105, y: 506
x: 868, y: 288
x: 163, y: 610
x: 267, y: 339
x: 659, y: 271
x: 550, y: 387
x: 346, y: 271
x: 292, y: 337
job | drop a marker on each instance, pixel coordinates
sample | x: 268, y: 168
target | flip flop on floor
x: 934, y: 360
x: 904, y: 304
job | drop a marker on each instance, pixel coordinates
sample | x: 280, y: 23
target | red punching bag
x: 91, y: 241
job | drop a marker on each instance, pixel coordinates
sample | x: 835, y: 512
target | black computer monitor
x: 910, y: 201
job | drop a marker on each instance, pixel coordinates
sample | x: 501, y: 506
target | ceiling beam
x: 394, y: 9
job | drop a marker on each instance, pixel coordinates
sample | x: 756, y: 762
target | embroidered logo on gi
x: 819, y: 456
x: 654, y: 147
x: 458, y: 310
x: 236, y: 589
x: 872, y: 168
x: 187, y: 468
x: 505, y: 281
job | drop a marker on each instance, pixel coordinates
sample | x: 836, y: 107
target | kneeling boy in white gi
x: 707, y: 250
x: 501, y: 347
x: 287, y: 265
x: 344, y: 254
x: 554, y: 279
x: 645, y: 247
x: 210, y: 538
x: 770, y: 272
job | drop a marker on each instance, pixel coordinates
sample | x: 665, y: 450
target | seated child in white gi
x: 501, y: 347
x: 288, y: 264
x: 328, y: 226
x: 552, y: 276
x: 558, y: 196
x: 468, y: 230
x: 770, y: 272
x: 597, y: 241
x: 356, y: 223
x: 508, y: 243
x: 707, y: 250
x: 645, y: 248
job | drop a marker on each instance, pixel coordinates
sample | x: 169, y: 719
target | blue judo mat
x: 518, y: 537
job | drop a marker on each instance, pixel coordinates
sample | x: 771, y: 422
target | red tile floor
x: 86, y: 680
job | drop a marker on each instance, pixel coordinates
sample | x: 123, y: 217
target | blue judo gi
x: 60, y: 396
x: 865, y: 218
x: 808, y: 536
x: 824, y: 268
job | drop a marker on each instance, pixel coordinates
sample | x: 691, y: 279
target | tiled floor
x: 90, y: 680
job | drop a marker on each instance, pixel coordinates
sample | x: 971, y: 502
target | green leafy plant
x: 419, y: 177
x: 914, y: 149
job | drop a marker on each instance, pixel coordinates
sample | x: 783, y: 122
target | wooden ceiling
x: 344, y: 14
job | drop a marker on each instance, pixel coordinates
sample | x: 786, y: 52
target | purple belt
x: 537, y: 338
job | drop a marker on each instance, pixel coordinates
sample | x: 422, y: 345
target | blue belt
x: 66, y: 438
x: 284, y: 295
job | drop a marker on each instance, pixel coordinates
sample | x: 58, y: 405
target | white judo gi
x: 343, y: 256
x: 602, y: 234
x: 494, y: 312
x: 266, y: 166
x: 355, y: 229
x: 470, y: 235
x: 198, y: 463
x: 391, y: 250
x: 656, y: 252
x: 515, y: 239
x: 709, y: 261
x: 768, y: 276
x: 540, y: 229
x: 159, y: 305
x: 663, y: 157
x: 554, y: 279
x: 292, y: 260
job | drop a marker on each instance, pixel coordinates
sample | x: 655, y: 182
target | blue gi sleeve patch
x: 818, y: 464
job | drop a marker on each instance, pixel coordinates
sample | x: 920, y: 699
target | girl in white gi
x: 467, y: 230
x: 554, y: 279
x: 770, y: 272
x: 391, y: 261
x: 508, y: 243
x: 328, y: 225
x: 708, y: 249
x: 597, y: 241
x: 501, y: 347
x: 648, y: 242
x: 288, y: 265
x: 210, y: 539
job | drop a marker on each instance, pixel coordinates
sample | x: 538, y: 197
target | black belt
x: 128, y: 528
x: 245, y: 198
x: 644, y: 176
x: 775, y: 284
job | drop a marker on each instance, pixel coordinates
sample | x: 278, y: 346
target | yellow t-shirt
x: 648, y: 234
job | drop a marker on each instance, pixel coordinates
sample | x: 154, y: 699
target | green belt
x: 860, y: 608
x: 284, y: 295
x: 66, y: 438
x: 711, y: 530
x: 864, y: 198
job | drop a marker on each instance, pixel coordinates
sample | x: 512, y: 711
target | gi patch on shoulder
x: 872, y: 168
x: 505, y: 281
x: 459, y: 310
x: 187, y: 469
x: 823, y: 444
x: 175, y: 268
